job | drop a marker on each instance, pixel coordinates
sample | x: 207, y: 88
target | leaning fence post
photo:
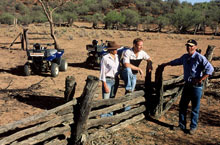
x: 26, y: 37
x: 208, y: 55
x: 85, y: 105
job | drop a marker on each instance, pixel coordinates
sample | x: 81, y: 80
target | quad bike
x: 41, y: 59
x: 95, y: 53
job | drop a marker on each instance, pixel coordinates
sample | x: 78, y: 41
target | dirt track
x: 161, y: 48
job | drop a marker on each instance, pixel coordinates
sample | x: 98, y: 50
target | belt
x: 110, y: 78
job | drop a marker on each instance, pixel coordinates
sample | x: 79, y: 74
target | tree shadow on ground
x: 83, y: 65
x: 19, y: 70
x: 42, y: 102
x: 148, y: 118
x: 210, y: 118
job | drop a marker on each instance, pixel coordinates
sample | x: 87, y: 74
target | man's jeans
x: 130, y: 82
x: 112, y: 85
x: 129, y: 79
x: 193, y: 94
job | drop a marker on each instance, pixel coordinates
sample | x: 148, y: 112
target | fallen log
x: 29, y: 89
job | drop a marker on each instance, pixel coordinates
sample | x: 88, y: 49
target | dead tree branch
x: 29, y: 89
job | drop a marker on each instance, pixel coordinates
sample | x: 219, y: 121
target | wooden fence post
x: 159, y: 91
x: 85, y: 105
x: 148, y: 88
x: 208, y: 55
x: 25, y: 33
x: 148, y: 85
x: 70, y: 87
x: 22, y: 41
x: 14, y: 41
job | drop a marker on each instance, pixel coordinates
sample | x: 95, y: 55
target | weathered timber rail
x: 78, y: 121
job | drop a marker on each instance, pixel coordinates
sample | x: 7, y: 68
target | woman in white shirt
x: 109, y: 73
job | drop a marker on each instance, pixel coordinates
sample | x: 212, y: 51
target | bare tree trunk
x: 49, y: 13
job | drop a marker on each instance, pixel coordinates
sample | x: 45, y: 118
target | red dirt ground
x: 161, y: 48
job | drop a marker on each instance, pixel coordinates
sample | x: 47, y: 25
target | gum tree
x: 49, y: 6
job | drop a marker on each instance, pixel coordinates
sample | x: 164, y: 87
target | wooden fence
x: 78, y: 121
x: 29, y: 38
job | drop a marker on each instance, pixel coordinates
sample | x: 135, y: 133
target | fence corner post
x: 84, y: 107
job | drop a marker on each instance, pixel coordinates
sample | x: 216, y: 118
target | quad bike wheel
x: 54, y: 70
x: 27, y: 69
x: 63, y: 65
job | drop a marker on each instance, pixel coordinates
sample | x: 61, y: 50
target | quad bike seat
x: 50, y: 52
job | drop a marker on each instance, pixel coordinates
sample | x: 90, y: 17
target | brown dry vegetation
x: 161, y: 47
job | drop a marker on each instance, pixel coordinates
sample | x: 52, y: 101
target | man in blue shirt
x: 196, y: 69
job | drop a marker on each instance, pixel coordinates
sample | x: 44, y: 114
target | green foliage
x: 161, y: 21
x: 58, y: 18
x: 105, y: 4
x: 155, y: 8
x: 6, y: 18
x: 132, y: 18
x: 95, y: 19
x: 114, y: 18
x: 38, y: 17
x: 82, y: 10
x: 69, y: 17
x: 213, y: 15
x: 21, y: 8
x: 146, y: 21
x: 185, y: 18
x: 25, y: 19
x: 70, y: 7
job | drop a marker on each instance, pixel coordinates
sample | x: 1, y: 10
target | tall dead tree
x: 48, y: 10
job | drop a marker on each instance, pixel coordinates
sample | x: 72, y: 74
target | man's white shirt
x: 129, y: 55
